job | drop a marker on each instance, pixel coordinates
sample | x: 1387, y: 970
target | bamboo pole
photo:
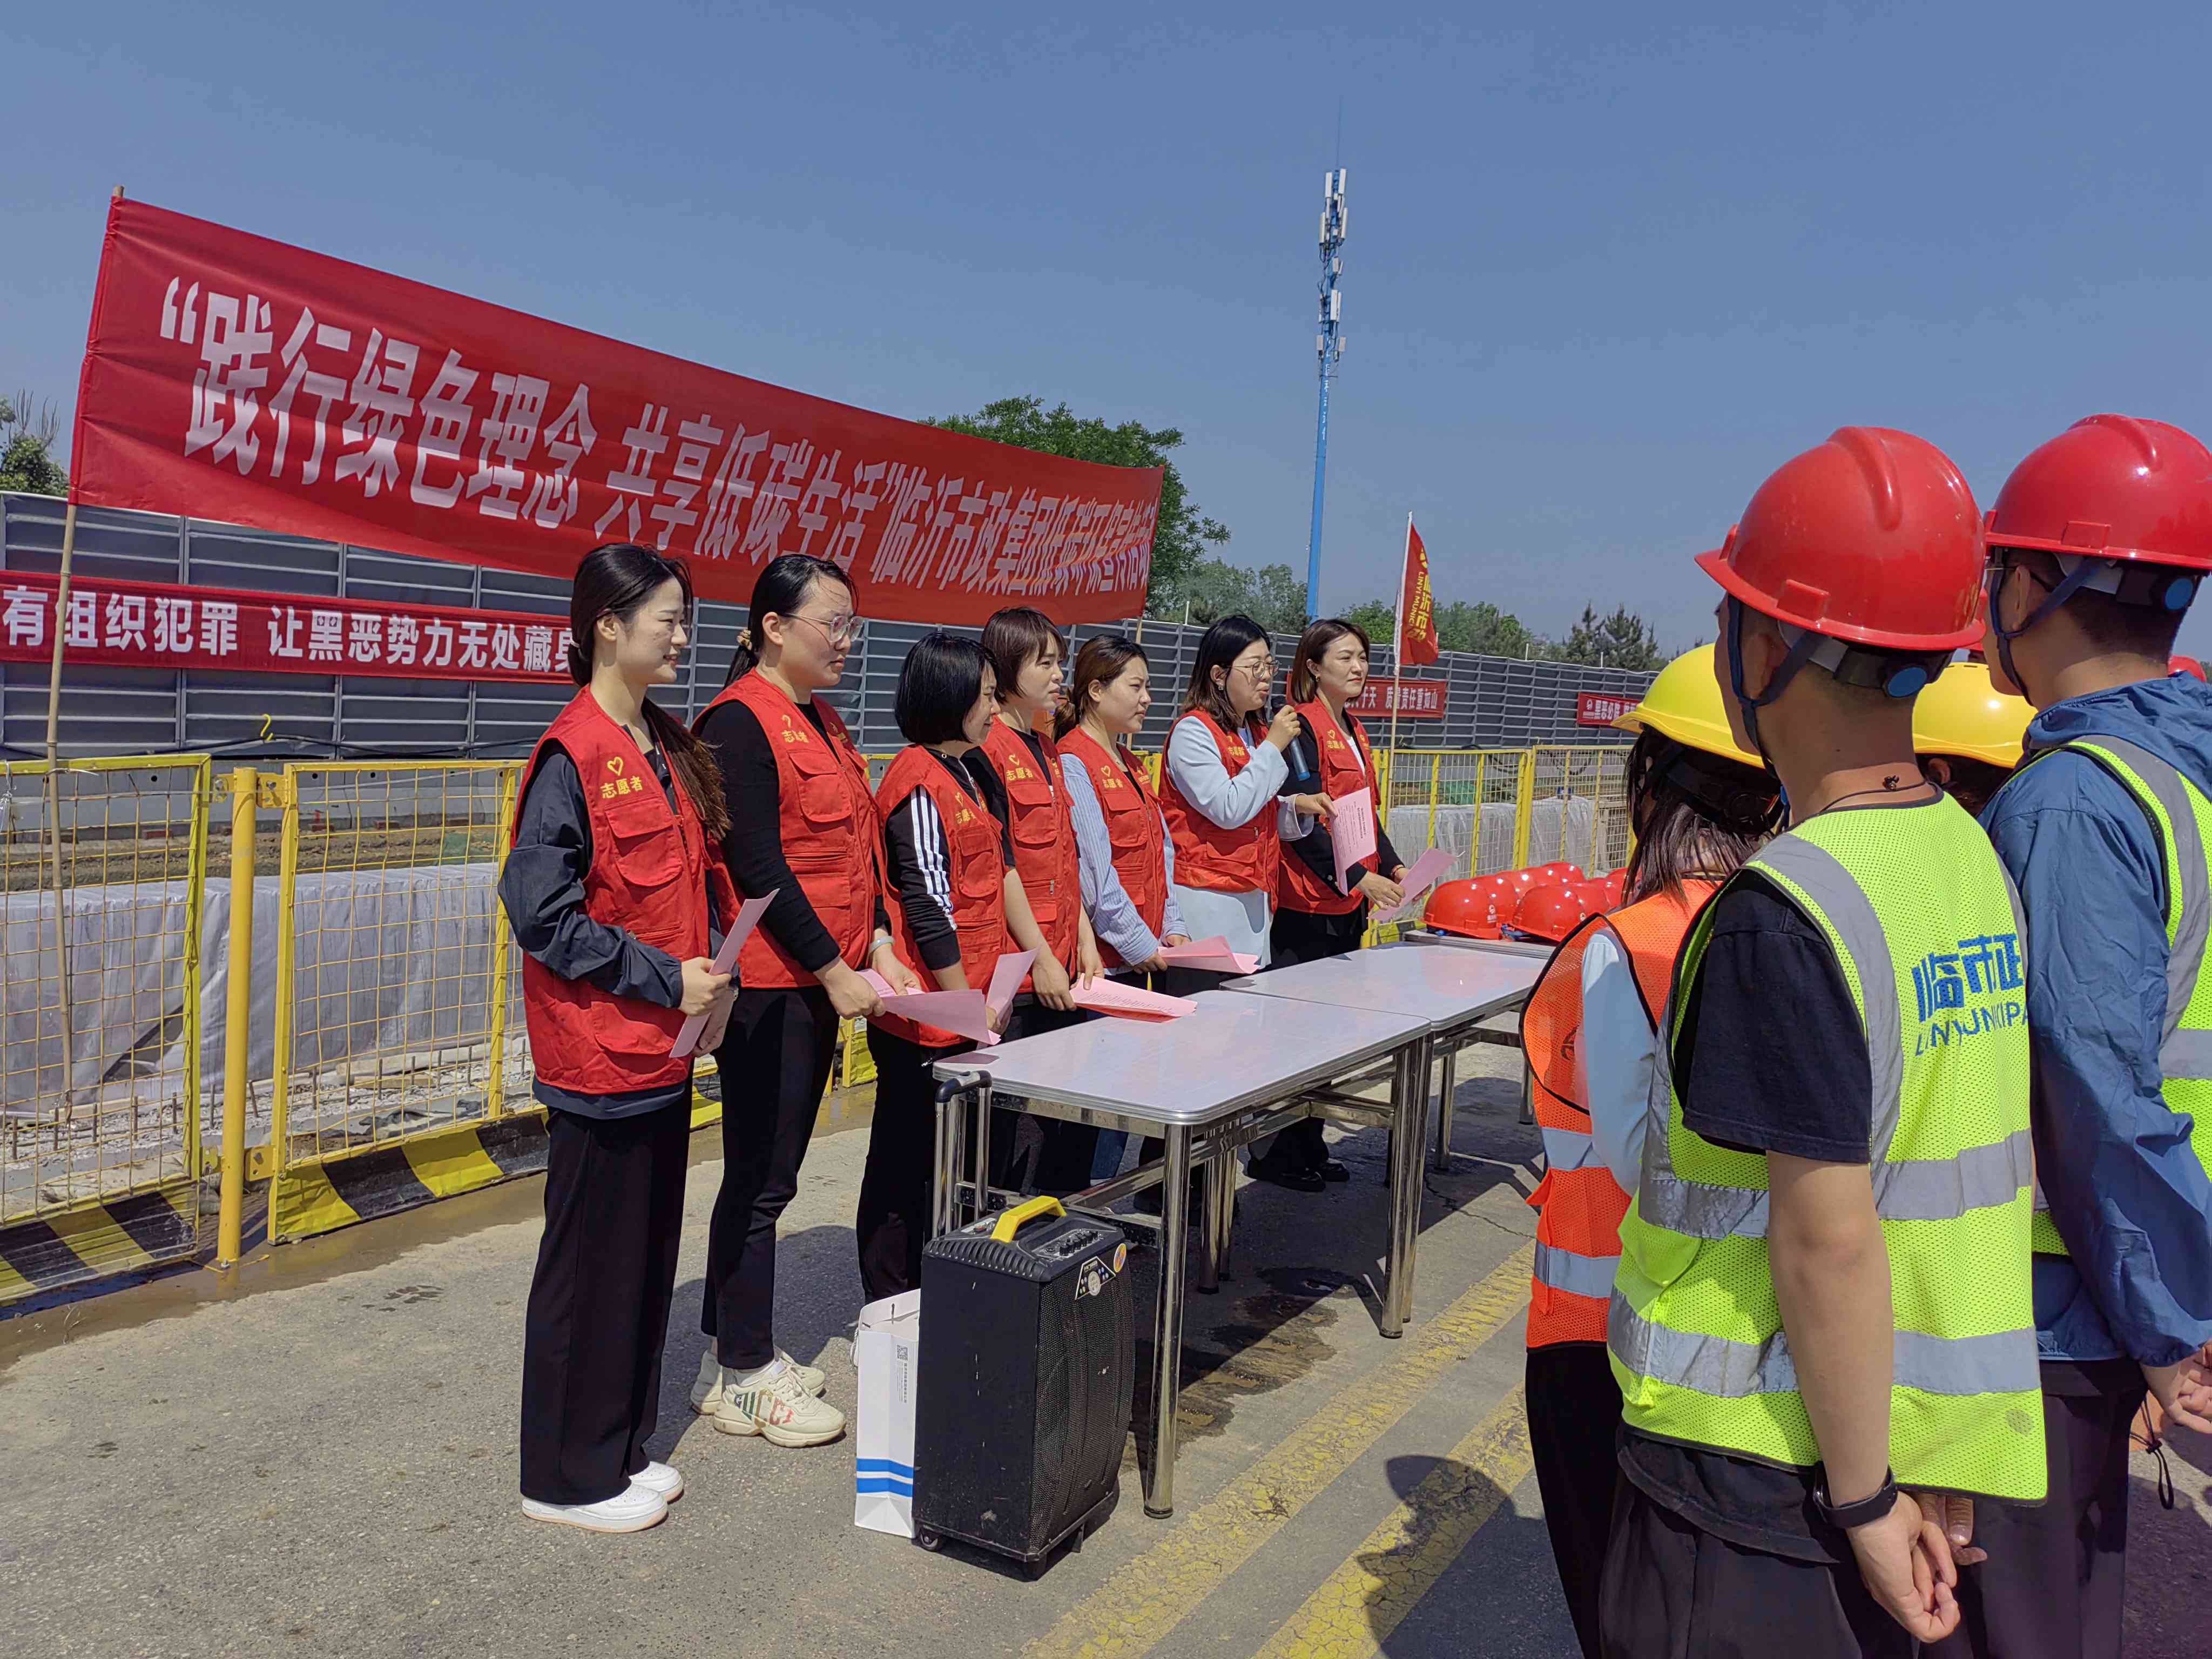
x: 54, y: 815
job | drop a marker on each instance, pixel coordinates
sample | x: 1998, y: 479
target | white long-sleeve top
x: 1194, y: 763
x: 1620, y: 1053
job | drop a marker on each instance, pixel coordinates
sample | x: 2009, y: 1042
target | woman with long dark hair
x: 1224, y: 768
x: 1029, y: 792
x: 618, y: 895
x: 1699, y: 806
x: 951, y: 866
x: 802, y: 825
x: 1314, y: 916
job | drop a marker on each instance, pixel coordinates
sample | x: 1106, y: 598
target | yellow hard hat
x: 1684, y: 703
x: 1963, y: 714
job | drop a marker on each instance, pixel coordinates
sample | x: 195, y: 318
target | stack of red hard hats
x: 1549, y: 911
x: 1474, y: 909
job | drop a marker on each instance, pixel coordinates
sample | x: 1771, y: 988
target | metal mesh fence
x: 101, y: 886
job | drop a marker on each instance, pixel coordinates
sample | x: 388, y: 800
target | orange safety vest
x: 826, y: 817
x: 1134, y: 827
x: 978, y: 873
x: 1344, y: 765
x: 650, y: 875
x: 1044, y: 832
x: 1579, y: 1203
x: 1243, y: 859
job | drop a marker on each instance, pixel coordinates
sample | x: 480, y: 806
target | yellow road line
x: 1355, y: 1609
x: 1131, y: 1611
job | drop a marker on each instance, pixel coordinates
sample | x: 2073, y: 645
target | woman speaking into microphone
x: 802, y: 825
x: 618, y: 895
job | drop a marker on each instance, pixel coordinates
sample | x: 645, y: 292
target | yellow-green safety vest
x: 1925, y: 928
x: 2182, y: 816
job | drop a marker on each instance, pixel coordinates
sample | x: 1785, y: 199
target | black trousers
x: 1574, y: 1427
x: 2054, y: 1585
x: 598, y: 1314
x: 774, y: 1062
x: 892, y: 1221
x: 1036, y: 1154
x: 1297, y: 936
x: 1671, y: 1591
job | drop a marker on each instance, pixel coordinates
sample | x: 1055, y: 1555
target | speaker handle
x: 1011, y: 1221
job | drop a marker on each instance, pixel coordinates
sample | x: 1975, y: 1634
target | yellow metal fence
x: 102, y: 865
x: 371, y: 1035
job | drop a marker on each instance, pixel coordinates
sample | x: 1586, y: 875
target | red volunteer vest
x: 650, y: 874
x: 1579, y: 1203
x: 831, y: 837
x: 1044, y: 838
x: 1133, y: 826
x: 1208, y: 857
x: 1341, y: 772
x: 978, y: 872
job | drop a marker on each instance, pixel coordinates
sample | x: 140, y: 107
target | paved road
x: 316, y: 1455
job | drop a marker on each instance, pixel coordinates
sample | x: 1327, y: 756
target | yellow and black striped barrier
x: 126, y: 1235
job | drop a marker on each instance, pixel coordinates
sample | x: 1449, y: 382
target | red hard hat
x: 1872, y: 539
x: 1549, y: 911
x: 1557, y: 872
x: 1616, y: 887
x: 2185, y: 666
x: 2112, y: 487
x: 1467, y: 908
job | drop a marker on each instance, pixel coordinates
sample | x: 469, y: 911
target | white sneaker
x: 661, y: 1479
x: 714, y: 1381
x: 632, y: 1510
x: 776, y: 1406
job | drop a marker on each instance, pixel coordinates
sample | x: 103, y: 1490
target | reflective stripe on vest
x: 1695, y: 1330
x: 1240, y: 860
x: 1044, y: 836
x: 2180, y: 814
x: 1579, y: 1203
x: 976, y: 867
x: 1344, y: 764
x: 1135, y: 831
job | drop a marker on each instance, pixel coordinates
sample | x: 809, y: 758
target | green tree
x: 1623, y: 640
x: 1180, y: 542
x: 1460, y: 627
x: 1271, y: 596
x: 26, y: 440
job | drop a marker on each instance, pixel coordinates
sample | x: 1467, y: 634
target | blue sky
x: 1607, y: 268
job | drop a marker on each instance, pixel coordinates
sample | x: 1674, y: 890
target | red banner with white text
x: 1411, y: 700
x: 230, y: 377
x: 1602, y: 707
x: 113, y: 624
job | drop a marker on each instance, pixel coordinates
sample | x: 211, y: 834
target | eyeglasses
x: 840, y: 630
x: 1264, y: 669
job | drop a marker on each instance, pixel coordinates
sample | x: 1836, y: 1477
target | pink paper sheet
x: 1212, y: 956
x: 961, y: 1013
x: 1352, y: 830
x: 1424, y: 874
x: 1105, y: 996
x: 1007, y: 980
x: 749, y: 916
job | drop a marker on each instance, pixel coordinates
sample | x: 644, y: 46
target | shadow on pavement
x: 1498, y: 1599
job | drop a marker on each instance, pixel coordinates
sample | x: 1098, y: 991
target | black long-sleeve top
x: 542, y: 888
x: 754, y: 846
x: 1314, y: 848
x: 920, y: 868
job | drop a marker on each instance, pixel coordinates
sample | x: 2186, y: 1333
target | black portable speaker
x: 1027, y: 1379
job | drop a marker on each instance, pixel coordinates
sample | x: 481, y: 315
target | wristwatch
x: 1845, y: 1516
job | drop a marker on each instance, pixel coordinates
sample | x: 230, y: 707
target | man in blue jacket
x: 2097, y: 545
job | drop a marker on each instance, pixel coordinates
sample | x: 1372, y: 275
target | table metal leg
x: 1528, y: 1094
x: 942, y: 1172
x: 1223, y: 1219
x: 1167, y: 1320
x: 982, y: 1153
x: 1449, y: 1062
x: 1409, y: 1100
x: 1209, y: 1232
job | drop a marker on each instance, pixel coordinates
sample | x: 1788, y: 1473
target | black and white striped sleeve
x: 920, y: 869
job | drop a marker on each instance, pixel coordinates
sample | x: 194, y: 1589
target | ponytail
x: 693, y: 763
x: 781, y: 588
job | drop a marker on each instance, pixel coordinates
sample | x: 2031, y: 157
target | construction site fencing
x: 321, y: 980
x: 102, y: 901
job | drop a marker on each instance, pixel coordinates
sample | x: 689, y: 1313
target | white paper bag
x: 886, y: 1346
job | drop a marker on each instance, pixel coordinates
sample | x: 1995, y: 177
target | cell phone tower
x: 1328, y: 344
